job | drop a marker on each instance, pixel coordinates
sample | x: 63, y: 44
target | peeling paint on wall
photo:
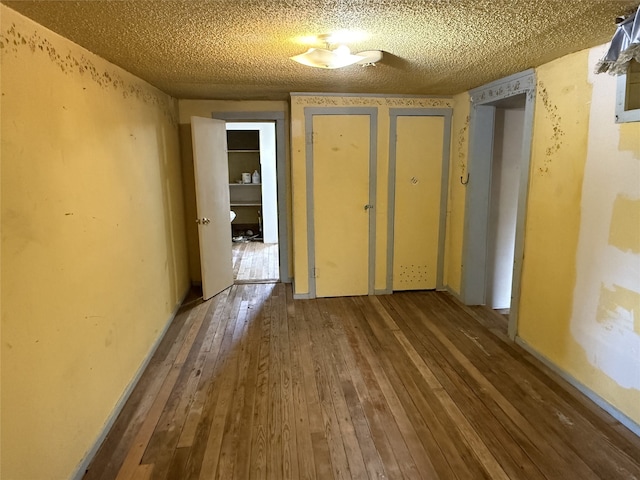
x: 12, y: 41
x: 504, y: 90
x: 606, y: 300
x: 619, y: 307
x: 624, y: 231
x: 556, y: 134
x: 462, y: 141
x: 91, y: 194
x: 364, y: 101
x: 457, y: 192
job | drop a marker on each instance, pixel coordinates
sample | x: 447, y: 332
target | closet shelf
x: 246, y: 204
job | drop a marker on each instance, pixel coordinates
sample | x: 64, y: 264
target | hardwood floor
x: 255, y: 262
x: 254, y: 384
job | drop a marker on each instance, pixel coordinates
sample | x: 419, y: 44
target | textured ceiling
x: 240, y: 49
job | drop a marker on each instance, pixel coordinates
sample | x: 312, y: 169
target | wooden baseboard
x: 593, y: 396
x: 88, y: 457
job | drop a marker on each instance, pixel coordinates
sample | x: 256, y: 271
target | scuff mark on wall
x: 624, y: 230
x: 12, y: 41
x: 551, y: 112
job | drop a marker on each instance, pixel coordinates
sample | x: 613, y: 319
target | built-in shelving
x: 246, y: 204
x: 243, y: 152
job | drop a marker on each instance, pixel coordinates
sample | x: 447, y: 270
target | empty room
x: 320, y: 239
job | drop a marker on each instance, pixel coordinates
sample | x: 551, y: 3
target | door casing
x: 281, y: 169
x: 394, y: 113
x: 309, y: 113
x: 481, y: 134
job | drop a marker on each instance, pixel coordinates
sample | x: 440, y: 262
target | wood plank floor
x: 255, y: 262
x: 254, y: 384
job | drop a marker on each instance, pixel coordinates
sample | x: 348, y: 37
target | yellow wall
x: 204, y: 108
x: 579, y: 288
x: 94, y: 257
x: 457, y: 192
x: 298, y: 173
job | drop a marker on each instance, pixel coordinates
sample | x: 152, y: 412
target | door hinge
x: 314, y: 273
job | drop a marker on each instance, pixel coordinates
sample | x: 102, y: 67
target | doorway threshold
x: 258, y: 281
x: 255, y: 262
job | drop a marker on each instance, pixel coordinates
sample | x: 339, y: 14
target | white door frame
x: 481, y: 132
x: 309, y: 112
x: 281, y: 169
x: 268, y: 172
x: 394, y: 113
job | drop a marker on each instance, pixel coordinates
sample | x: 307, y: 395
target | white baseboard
x: 88, y: 457
x: 593, y: 396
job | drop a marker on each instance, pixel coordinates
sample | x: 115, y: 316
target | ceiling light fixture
x: 338, y: 57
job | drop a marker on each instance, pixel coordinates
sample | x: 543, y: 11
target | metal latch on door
x: 203, y: 221
x: 367, y: 207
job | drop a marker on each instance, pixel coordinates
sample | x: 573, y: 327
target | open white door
x: 209, y: 138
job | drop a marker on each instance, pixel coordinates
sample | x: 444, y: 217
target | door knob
x: 203, y: 221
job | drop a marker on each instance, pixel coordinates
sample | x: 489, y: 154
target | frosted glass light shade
x: 323, y: 58
x: 370, y: 57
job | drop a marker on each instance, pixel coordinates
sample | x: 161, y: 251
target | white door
x: 211, y: 167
